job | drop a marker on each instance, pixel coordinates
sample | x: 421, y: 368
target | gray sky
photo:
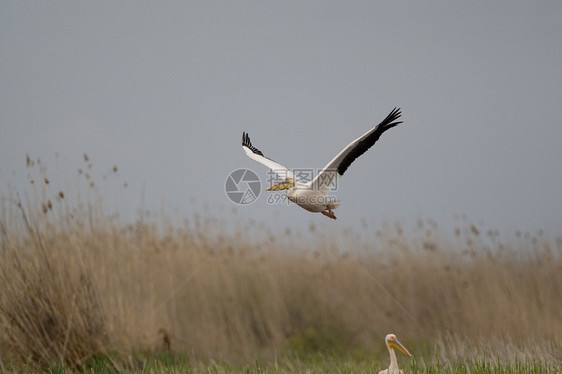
x: 164, y: 91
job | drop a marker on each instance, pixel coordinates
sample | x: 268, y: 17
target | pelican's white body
x: 311, y: 199
x: 314, y: 195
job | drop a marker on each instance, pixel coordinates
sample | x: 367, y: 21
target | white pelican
x: 391, y: 343
x: 313, y: 195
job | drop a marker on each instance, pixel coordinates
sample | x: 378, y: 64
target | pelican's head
x: 392, y: 342
x: 285, y: 185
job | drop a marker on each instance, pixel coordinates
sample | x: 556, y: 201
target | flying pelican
x: 391, y: 343
x: 313, y: 195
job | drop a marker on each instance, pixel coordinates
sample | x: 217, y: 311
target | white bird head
x: 392, y: 342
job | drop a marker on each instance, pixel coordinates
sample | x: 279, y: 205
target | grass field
x: 83, y: 291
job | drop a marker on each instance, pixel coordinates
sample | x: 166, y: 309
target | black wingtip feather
x: 371, y: 139
x: 247, y: 143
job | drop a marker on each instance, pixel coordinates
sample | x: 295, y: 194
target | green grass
x: 166, y: 363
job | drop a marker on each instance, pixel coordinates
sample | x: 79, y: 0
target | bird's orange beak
x: 285, y: 185
x: 396, y: 344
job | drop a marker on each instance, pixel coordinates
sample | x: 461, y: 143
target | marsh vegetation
x: 81, y: 290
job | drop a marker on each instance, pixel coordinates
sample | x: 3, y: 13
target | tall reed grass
x: 77, y: 283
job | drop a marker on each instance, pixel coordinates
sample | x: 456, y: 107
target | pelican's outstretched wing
x: 256, y: 155
x: 341, y: 162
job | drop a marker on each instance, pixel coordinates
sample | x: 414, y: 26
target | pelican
x: 391, y: 343
x: 313, y: 195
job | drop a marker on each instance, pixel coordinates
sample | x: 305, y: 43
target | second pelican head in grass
x: 391, y: 343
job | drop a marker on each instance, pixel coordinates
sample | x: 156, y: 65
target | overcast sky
x: 164, y: 91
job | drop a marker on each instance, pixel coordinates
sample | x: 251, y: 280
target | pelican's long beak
x: 286, y: 184
x: 396, y: 344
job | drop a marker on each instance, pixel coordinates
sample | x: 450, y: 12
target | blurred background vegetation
x: 78, y: 285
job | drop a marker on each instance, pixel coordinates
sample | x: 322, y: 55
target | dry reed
x: 76, y: 283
